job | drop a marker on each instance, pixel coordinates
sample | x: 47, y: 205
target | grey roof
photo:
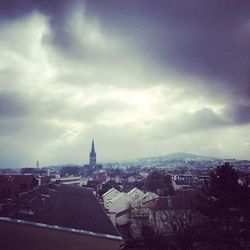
x: 183, y: 199
x: 62, y: 206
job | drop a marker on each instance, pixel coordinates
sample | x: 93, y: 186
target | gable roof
x: 93, y: 183
x: 149, y: 196
x: 134, y: 190
x: 66, y: 207
x: 110, y: 191
x: 183, y: 199
x: 121, y: 195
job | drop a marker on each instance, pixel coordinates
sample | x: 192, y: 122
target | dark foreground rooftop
x: 61, y: 206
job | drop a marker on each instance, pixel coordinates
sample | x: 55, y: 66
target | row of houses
x: 118, y: 204
x: 133, y: 210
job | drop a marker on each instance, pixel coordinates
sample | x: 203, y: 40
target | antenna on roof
x: 37, y: 164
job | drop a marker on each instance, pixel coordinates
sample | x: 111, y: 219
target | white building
x: 136, y: 196
x: 135, y: 193
x: 120, y: 205
x: 144, y: 174
x: 117, y: 179
x: 139, y: 214
x: 108, y: 196
x: 149, y: 196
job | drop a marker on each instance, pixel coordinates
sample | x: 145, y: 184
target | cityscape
x: 124, y: 125
x: 123, y: 205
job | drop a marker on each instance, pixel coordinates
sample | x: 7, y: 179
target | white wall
x: 108, y: 196
x: 119, y: 203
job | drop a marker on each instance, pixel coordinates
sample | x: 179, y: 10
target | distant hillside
x: 167, y: 160
x: 180, y: 156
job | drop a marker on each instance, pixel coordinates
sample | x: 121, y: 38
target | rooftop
x: 183, y: 199
x: 62, y: 206
x: 109, y: 191
x: 15, y: 179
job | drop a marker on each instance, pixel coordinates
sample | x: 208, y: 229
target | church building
x: 92, y: 155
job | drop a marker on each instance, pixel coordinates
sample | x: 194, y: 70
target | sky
x: 143, y: 78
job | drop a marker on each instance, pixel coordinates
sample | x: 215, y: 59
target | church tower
x: 92, y: 155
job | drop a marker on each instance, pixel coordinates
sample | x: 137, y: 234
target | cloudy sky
x: 142, y: 78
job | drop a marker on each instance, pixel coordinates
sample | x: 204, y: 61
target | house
x: 117, y: 179
x: 123, y: 205
x: 144, y: 174
x: 59, y: 217
x: 112, y: 176
x: 119, y: 206
x: 94, y: 184
x: 44, y: 180
x: 131, y: 179
x: 84, y: 180
x: 165, y: 205
x: 15, y: 184
x: 101, y: 176
x: 35, y: 171
x: 136, y: 196
x: 124, y: 178
x: 70, y: 180
x: 139, y: 212
x: 108, y: 196
x: 135, y: 193
x: 181, y: 184
x: 244, y: 181
x: 149, y: 196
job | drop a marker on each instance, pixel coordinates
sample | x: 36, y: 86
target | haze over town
x: 142, y: 78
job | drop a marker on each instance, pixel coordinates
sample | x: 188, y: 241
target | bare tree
x: 181, y: 227
x: 138, y: 215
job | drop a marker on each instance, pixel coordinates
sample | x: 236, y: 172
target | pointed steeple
x: 92, y: 155
x: 92, y: 147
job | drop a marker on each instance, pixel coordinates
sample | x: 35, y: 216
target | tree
x: 159, y: 183
x: 138, y: 215
x: 227, y: 208
x: 223, y: 183
x: 176, y: 219
x: 147, y: 233
x: 183, y: 227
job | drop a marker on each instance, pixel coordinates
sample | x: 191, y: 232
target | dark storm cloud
x: 239, y: 113
x: 187, y: 123
x: 56, y: 10
x: 63, y: 36
x: 10, y: 9
x: 208, y: 39
x: 205, y: 38
x: 202, y: 119
x: 12, y: 105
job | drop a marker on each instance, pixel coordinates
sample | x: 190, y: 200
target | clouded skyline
x: 141, y: 77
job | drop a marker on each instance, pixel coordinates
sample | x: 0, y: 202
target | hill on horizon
x: 181, y: 156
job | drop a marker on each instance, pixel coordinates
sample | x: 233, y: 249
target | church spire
x: 93, y: 147
x: 92, y: 155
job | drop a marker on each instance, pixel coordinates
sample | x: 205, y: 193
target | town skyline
x: 143, y: 78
